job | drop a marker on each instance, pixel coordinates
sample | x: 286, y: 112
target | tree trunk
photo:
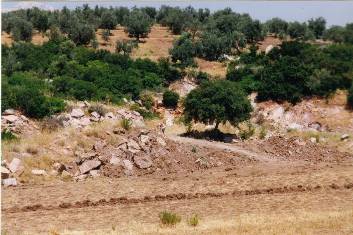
x: 216, y: 127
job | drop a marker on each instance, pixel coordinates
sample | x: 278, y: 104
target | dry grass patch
x: 214, y: 68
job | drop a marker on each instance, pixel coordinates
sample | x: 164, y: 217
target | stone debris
x: 77, y: 113
x: 142, y: 161
x: 115, y: 160
x: 15, y: 165
x: 9, y: 182
x: 15, y: 122
x: 344, y: 137
x: 94, y: 173
x: 88, y: 165
x: 38, y: 172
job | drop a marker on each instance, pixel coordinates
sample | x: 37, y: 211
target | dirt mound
x: 297, y: 149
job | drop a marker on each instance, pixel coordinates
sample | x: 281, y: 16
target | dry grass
x: 214, y: 68
x: 296, y: 222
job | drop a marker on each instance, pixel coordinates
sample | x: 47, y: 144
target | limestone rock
x: 77, y: 113
x: 143, y: 161
x: 344, y: 136
x: 128, y: 165
x: 133, y: 146
x: 15, y: 165
x: 38, y: 172
x: 161, y: 141
x: 9, y: 182
x: 89, y: 165
x: 11, y: 118
x: 115, y: 160
x: 94, y: 173
x: 5, y: 173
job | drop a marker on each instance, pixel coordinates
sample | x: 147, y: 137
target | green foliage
x: 276, y: 26
x: 98, y: 108
x: 126, y: 124
x: 138, y: 24
x: 247, y: 132
x: 145, y: 113
x: 125, y: 47
x: 170, y: 99
x: 297, y: 30
x: 81, y: 34
x: 193, y: 220
x: 317, y: 26
x: 147, y: 100
x: 108, y: 20
x: 22, y: 30
x: 7, y: 135
x: 169, y: 218
x: 183, y: 51
x: 217, y: 101
x: 105, y: 35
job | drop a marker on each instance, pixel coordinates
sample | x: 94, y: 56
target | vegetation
x: 193, y: 220
x: 169, y: 218
x: 138, y: 24
x: 350, y: 97
x: 7, y: 135
x: 217, y: 102
x: 294, y: 70
x: 126, y: 124
x: 170, y: 99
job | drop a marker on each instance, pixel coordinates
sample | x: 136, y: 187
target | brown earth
x: 255, y: 181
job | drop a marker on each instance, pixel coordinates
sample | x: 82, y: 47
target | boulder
x: 114, y: 160
x: 11, y: 118
x: 9, y: 182
x: 88, y: 165
x: 133, y: 146
x: 95, y: 115
x: 9, y: 112
x: 38, y: 172
x: 15, y: 165
x: 268, y: 49
x: 84, y: 121
x: 128, y: 165
x: 77, y: 113
x: 5, y: 173
x: 99, y: 146
x: 144, y: 138
x: 94, y: 173
x: 344, y: 136
x: 161, y: 141
x: 143, y: 161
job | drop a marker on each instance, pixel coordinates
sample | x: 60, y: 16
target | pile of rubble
x: 15, y: 122
x: 126, y: 155
x: 80, y: 117
x: 9, y: 171
x: 296, y: 149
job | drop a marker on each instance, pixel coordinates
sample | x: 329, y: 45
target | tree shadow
x: 214, y: 134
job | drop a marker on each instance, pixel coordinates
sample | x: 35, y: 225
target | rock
x: 344, y: 136
x: 268, y: 49
x: 313, y: 140
x: 133, y: 146
x: 66, y: 174
x: 86, y: 103
x: 115, y: 160
x: 9, y: 112
x: 38, y: 172
x: 11, y: 118
x: 128, y: 165
x: 99, y: 146
x: 161, y: 141
x: 89, y: 165
x: 84, y: 121
x: 59, y: 167
x: 77, y: 113
x: 5, y: 173
x: 95, y: 115
x: 9, y: 182
x: 295, y: 126
x: 15, y: 165
x: 94, y: 173
x: 144, y: 138
x: 315, y: 125
x: 143, y: 161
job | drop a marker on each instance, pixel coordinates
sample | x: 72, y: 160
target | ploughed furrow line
x: 177, y: 196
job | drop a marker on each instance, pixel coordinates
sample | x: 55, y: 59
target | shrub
x: 169, y: 218
x: 193, y: 220
x: 147, y: 100
x: 217, y: 101
x: 146, y: 114
x: 22, y: 30
x: 98, y: 108
x: 7, y: 135
x: 247, y: 132
x: 126, y: 124
x: 52, y: 123
x: 170, y: 99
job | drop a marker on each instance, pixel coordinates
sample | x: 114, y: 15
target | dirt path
x: 265, y: 158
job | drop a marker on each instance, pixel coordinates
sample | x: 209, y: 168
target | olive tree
x: 138, y: 24
x: 317, y: 26
x: 217, y: 102
x: 183, y: 51
x: 22, y: 30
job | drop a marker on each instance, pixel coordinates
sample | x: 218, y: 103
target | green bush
x: 7, y: 135
x: 169, y: 218
x: 193, y: 220
x: 126, y: 124
x: 98, y: 108
x: 147, y: 100
x: 170, y: 99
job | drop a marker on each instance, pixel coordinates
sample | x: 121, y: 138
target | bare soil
x: 250, y: 181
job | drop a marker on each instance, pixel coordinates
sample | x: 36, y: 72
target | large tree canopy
x: 138, y: 24
x: 217, y: 101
